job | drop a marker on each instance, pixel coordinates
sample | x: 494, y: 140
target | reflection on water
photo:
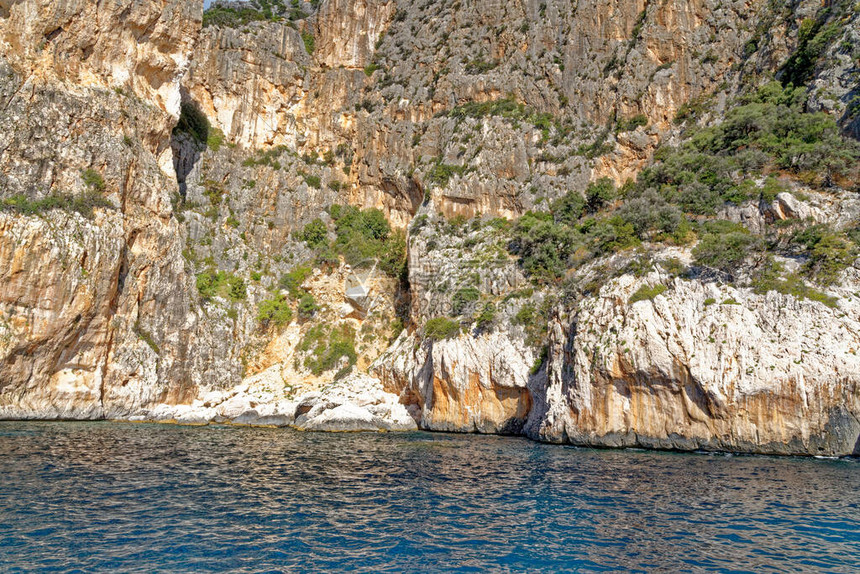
x: 144, y: 498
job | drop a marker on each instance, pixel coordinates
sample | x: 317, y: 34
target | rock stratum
x: 610, y: 223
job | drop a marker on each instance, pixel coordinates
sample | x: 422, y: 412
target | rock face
x: 462, y: 385
x: 704, y: 367
x: 252, y: 83
x: 701, y: 366
x: 358, y: 403
x: 348, y: 31
x: 91, y: 92
x: 136, y: 261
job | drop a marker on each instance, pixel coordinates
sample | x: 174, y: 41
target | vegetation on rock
x: 328, y: 348
x: 441, y: 328
x: 84, y: 204
x: 215, y: 283
x: 275, y: 311
x: 647, y: 293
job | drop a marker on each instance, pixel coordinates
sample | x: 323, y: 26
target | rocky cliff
x: 90, y: 291
x: 600, y: 223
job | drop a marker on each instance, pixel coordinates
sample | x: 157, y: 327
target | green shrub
x: 275, y: 311
x: 392, y: 260
x: 464, y: 299
x: 83, y: 204
x: 768, y: 130
x: 545, y: 248
x: 814, y: 37
x: 829, y: 257
x: 480, y: 66
x: 600, y: 193
x: 771, y: 277
x: 93, y: 180
x: 212, y: 283
x: 146, y: 337
x: 214, y: 191
x: 674, y: 267
x: 230, y: 17
x: 307, y: 306
x: 611, y: 234
x: 215, y: 139
x: 829, y: 253
x: 647, y: 293
x: 724, y: 246
x: 630, y: 124
x: 548, y: 249
x: 569, y: 208
x: 292, y: 280
x: 267, y: 157
x: 507, y: 108
x: 771, y: 188
x: 370, y: 68
x: 441, y: 328
x: 539, y: 361
x: 650, y: 213
x: 308, y: 39
x: 487, y: 317
x: 237, y: 290
x: 328, y: 348
x: 441, y: 173
x: 314, y: 234
x: 534, y: 321
x: 313, y: 181
x: 314, y: 337
x: 366, y: 234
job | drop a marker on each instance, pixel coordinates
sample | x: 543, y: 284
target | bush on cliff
x: 647, y: 293
x: 464, y: 300
x: 275, y: 311
x: 364, y: 235
x: 84, y: 204
x: 441, y: 328
x: 329, y: 348
x: 314, y: 234
x: 292, y: 280
x: 212, y: 283
x: 724, y: 246
x: 235, y: 14
x: 828, y: 252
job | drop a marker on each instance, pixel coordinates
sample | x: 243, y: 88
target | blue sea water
x: 112, y: 497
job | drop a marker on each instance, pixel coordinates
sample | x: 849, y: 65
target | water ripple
x: 98, y: 497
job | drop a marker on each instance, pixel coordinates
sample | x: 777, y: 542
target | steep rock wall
x: 100, y: 318
x: 742, y: 372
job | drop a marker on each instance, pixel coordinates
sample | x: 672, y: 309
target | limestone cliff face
x: 704, y: 367
x: 91, y: 92
x: 347, y: 31
x: 434, y: 113
x: 466, y: 384
x: 252, y: 83
x: 589, y: 67
x: 701, y: 366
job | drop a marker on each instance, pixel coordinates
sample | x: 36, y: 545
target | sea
x: 122, y: 497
